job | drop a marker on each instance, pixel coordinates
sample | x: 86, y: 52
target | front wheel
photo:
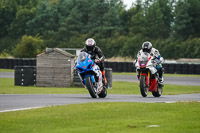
x: 158, y: 93
x: 90, y: 86
x: 143, y: 86
x: 103, y: 93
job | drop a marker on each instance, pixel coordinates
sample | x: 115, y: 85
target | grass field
x: 115, y: 117
x: 181, y: 117
x: 7, y: 87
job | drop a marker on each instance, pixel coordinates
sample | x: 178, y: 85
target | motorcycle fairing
x: 154, y: 85
x: 84, y: 64
x: 87, y: 68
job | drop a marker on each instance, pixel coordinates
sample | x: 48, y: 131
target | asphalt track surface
x: 9, y: 102
x: 6, y: 74
x: 14, y: 102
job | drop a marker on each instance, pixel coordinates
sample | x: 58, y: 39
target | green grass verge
x: 6, y: 70
x: 7, y: 87
x: 105, y: 118
x: 166, y: 75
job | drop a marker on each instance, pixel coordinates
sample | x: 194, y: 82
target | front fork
x: 82, y: 81
x: 147, y: 77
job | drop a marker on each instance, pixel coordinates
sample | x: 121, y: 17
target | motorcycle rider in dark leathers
x: 96, y: 53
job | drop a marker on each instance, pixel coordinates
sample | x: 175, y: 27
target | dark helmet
x: 146, y: 47
x: 90, y: 45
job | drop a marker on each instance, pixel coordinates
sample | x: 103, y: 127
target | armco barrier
x: 178, y: 68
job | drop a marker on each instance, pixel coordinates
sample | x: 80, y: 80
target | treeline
x: 28, y: 26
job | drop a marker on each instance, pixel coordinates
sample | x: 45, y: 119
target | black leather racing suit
x: 96, y: 52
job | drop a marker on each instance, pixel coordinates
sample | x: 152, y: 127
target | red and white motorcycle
x: 148, y: 75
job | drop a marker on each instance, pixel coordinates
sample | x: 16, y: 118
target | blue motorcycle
x: 90, y: 75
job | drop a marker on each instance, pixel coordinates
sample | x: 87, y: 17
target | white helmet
x: 90, y: 44
x: 146, y: 47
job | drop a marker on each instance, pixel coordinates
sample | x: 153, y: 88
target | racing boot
x: 161, y: 79
x: 104, y: 77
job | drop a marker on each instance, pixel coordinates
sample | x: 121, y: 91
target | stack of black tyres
x: 1, y: 63
x: 191, y: 68
x: 178, y: 69
x: 114, y: 66
x: 119, y: 67
x: 107, y: 64
x: 25, y: 75
x: 197, y: 69
x: 172, y: 68
x: 185, y: 68
x: 124, y: 67
x: 166, y: 67
x: 131, y: 67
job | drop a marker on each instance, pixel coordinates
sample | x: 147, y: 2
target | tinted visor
x: 146, y: 50
x: 90, y: 48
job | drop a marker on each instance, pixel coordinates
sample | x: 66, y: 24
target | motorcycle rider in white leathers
x: 157, y: 59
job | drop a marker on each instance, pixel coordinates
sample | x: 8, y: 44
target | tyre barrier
x: 172, y: 68
x: 197, y: 69
x: 185, y: 68
x: 166, y: 68
x: 25, y: 75
x: 191, y: 68
x: 6, y: 63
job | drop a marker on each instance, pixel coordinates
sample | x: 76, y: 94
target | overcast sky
x: 128, y: 3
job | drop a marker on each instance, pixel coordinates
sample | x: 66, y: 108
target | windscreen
x: 144, y: 59
x: 144, y: 56
x: 82, y: 56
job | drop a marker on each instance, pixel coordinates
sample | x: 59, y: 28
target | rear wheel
x: 103, y: 93
x: 143, y: 86
x: 158, y: 93
x: 90, y: 86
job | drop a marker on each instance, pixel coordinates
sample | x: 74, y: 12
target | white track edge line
x: 20, y: 109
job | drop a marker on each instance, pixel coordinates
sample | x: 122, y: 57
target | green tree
x: 132, y: 45
x: 158, y: 19
x: 137, y: 21
x: 182, y: 24
x: 8, y: 9
x: 192, y: 48
x: 194, y: 13
x: 45, y: 20
x: 18, y: 26
x: 28, y: 47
